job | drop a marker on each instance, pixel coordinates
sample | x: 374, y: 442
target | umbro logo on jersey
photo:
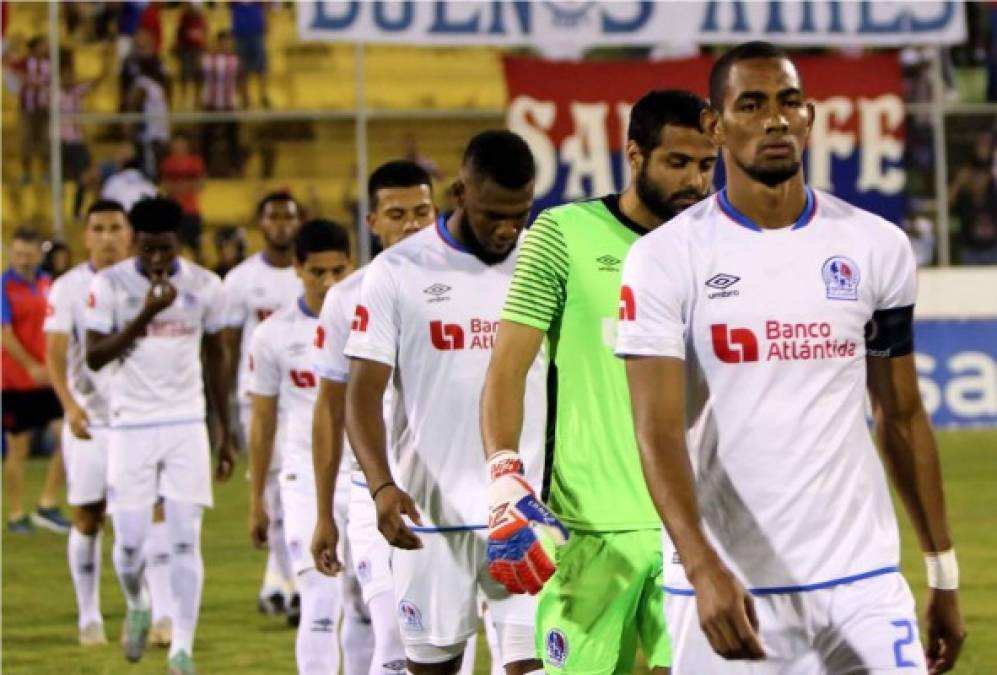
x: 438, y: 292
x: 722, y: 282
x: 609, y: 263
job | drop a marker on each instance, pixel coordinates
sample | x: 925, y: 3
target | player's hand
x: 727, y: 613
x: 259, y: 523
x: 392, y: 503
x: 516, y: 557
x: 160, y: 296
x: 324, y: 541
x: 79, y: 422
x: 38, y: 373
x: 226, y: 461
x: 946, y: 630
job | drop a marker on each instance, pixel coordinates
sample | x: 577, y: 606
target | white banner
x: 570, y: 27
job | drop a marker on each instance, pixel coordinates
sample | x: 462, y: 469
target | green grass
x: 39, y: 614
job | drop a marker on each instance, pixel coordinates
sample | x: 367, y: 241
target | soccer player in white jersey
x: 107, y: 237
x: 256, y: 288
x: 401, y: 203
x: 283, y: 389
x: 426, y: 320
x: 782, y: 306
x: 147, y: 319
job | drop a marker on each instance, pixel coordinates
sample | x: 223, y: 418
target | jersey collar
x: 447, y: 237
x: 303, y: 306
x: 612, y: 204
x: 804, y: 219
x: 174, y: 268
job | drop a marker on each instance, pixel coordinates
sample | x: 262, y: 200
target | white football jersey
x: 159, y: 380
x: 790, y: 486
x: 255, y: 289
x: 430, y: 309
x: 281, y: 358
x: 67, y: 305
x: 331, y: 335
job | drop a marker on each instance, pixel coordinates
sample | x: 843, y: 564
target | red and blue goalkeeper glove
x: 516, y: 558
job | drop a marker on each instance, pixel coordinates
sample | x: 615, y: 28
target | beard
x: 659, y: 203
x: 280, y: 247
x: 771, y: 176
x: 475, y: 246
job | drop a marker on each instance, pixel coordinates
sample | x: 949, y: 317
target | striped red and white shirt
x: 34, y: 90
x: 71, y: 103
x: 221, y: 81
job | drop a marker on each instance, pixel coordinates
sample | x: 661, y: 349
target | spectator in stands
x: 28, y: 401
x: 33, y: 102
x: 920, y: 231
x: 56, y: 258
x: 249, y: 26
x: 973, y: 198
x: 182, y: 176
x: 128, y: 184
x: 192, y: 38
x: 223, y: 81
x: 75, y: 154
x: 148, y: 96
x: 230, y: 247
x: 142, y: 59
x: 410, y: 151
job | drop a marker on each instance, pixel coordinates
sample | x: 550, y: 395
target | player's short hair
x: 158, y: 215
x: 28, y: 235
x: 400, y: 173
x: 720, y: 73
x: 319, y: 235
x: 661, y: 107
x: 502, y: 156
x: 106, y: 206
x: 276, y: 196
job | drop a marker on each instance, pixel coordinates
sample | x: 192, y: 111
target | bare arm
x: 262, y: 430
x: 21, y: 355
x: 328, y: 427
x: 516, y: 347
x: 365, y: 426
x: 56, y: 345
x: 103, y: 348
x: 908, y: 447
x: 726, y: 611
x: 216, y: 372
x: 233, y: 346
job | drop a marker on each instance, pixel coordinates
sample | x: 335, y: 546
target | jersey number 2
x: 303, y: 379
x: 902, y: 642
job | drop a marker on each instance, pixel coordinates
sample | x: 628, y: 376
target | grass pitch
x: 39, y: 612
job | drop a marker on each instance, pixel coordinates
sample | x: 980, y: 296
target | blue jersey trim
x: 303, y: 306
x: 452, y: 528
x: 358, y: 483
x: 447, y: 237
x: 777, y: 590
x: 809, y: 209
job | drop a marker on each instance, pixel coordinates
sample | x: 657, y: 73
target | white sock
x: 389, y: 652
x: 358, y: 633
x: 130, y: 531
x: 470, y: 654
x: 491, y: 635
x: 316, y: 648
x: 83, y: 552
x: 183, y: 521
x: 158, y: 570
x: 279, y: 575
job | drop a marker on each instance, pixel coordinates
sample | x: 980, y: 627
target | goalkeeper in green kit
x: 606, y: 593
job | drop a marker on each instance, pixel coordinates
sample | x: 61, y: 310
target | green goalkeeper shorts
x: 605, y: 597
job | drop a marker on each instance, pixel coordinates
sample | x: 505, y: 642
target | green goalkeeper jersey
x: 567, y: 284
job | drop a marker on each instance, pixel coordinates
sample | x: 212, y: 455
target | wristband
x: 943, y: 570
x: 503, y: 462
x: 373, y: 495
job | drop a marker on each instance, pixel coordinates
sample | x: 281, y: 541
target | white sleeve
x: 898, y: 284
x: 59, y: 313
x: 654, y: 299
x: 331, y: 334
x: 264, y: 367
x: 236, y: 314
x: 100, y: 305
x: 215, y: 313
x: 375, y: 328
